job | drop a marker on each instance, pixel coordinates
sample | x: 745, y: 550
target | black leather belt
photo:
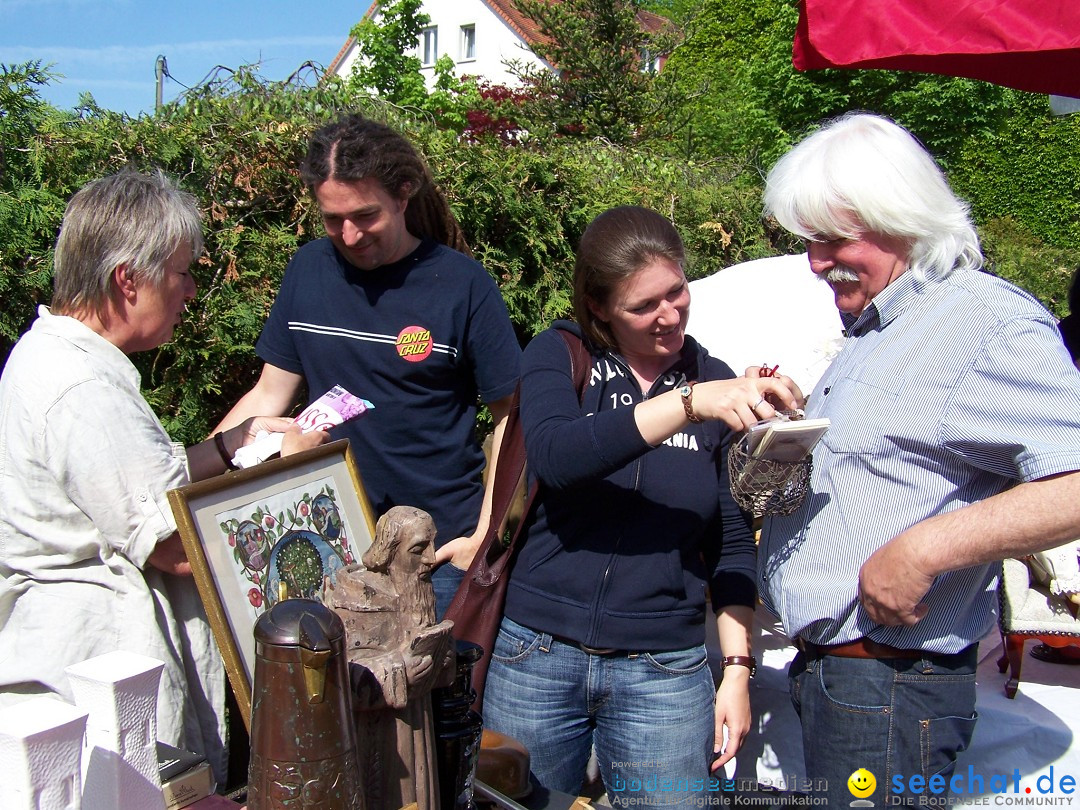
x: 585, y: 648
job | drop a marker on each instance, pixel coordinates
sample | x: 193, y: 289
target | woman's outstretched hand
x: 741, y: 402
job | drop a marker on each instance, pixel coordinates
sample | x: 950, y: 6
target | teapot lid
x: 299, y: 623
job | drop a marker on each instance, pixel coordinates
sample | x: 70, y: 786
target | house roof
x: 341, y: 54
x: 528, y: 30
x: 507, y: 11
x: 521, y: 25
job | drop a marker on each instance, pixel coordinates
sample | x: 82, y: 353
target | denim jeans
x: 445, y: 580
x: 649, y: 715
x: 894, y: 717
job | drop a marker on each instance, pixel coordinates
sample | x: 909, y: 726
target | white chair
x: 1030, y: 610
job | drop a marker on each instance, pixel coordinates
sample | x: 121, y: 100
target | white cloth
x: 265, y: 445
x: 771, y: 311
x: 1058, y: 569
x: 84, y: 470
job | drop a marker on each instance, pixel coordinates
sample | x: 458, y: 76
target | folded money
x: 333, y: 408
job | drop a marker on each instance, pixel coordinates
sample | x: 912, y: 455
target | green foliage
x: 1016, y: 255
x: 386, y: 70
x: 600, y: 88
x: 1028, y: 169
x: 30, y: 207
x: 1016, y: 164
x: 236, y: 143
x: 752, y: 103
x: 523, y: 209
x: 678, y: 11
x: 1023, y: 181
x: 384, y: 64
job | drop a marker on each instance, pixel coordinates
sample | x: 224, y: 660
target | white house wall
x: 496, y: 42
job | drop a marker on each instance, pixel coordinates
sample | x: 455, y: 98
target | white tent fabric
x: 772, y: 311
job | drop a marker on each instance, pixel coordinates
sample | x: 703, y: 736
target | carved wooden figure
x: 397, y: 653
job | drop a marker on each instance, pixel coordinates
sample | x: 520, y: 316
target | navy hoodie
x: 625, y: 536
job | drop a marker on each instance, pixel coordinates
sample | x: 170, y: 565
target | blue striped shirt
x: 946, y: 392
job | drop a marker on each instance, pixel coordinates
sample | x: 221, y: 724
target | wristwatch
x: 747, y: 661
x: 687, y: 394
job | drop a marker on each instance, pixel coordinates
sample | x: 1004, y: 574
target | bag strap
x: 580, y: 361
x: 510, y: 468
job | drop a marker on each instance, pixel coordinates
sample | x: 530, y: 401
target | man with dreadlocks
x: 386, y: 307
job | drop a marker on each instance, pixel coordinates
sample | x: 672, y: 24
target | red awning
x: 1031, y: 45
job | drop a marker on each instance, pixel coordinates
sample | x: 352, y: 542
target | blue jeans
x: 894, y: 717
x: 649, y: 715
x: 445, y: 580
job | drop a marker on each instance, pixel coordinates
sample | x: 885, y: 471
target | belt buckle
x: 585, y: 648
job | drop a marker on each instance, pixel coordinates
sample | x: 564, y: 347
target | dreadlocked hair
x: 355, y: 148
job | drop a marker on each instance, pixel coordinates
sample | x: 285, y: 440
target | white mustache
x: 839, y: 274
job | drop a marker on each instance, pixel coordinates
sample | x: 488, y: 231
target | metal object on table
x: 500, y: 800
x: 303, y: 747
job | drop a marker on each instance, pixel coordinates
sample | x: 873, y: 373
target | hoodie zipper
x: 605, y: 580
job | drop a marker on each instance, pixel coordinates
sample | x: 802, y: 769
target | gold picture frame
x: 281, y: 528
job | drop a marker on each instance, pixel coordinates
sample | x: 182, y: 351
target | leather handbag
x: 477, y: 606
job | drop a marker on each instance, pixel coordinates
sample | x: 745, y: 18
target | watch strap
x: 687, y: 393
x: 747, y: 661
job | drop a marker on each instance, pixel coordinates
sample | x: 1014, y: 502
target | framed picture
x: 280, y: 529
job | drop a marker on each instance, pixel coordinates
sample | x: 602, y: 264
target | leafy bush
x: 1017, y: 165
x: 236, y: 145
x: 522, y: 202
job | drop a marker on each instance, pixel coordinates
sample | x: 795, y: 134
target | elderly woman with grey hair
x: 90, y: 558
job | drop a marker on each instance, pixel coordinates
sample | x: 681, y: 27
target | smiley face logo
x: 861, y: 783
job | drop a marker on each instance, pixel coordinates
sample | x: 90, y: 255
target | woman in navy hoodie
x: 603, y: 638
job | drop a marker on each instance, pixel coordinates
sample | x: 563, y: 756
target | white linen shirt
x: 84, y: 470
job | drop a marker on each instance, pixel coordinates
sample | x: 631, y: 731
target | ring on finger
x: 758, y: 404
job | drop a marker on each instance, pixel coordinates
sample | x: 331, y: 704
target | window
x: 468, y: 43
x: 650, y: 62
x: 429, y: 45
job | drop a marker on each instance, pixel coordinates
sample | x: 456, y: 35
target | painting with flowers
x: 292, y: 544
x: 282, y: 529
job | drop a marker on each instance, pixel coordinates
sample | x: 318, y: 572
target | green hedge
x: 522, y: 208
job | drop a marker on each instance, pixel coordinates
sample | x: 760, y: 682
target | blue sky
x: 109, y: 47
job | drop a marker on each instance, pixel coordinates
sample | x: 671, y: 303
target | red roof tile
x: 521, y: 25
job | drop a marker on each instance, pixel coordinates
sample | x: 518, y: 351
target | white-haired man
x: 955, y: 442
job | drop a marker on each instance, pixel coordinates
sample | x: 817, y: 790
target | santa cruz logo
x: 414, y: 343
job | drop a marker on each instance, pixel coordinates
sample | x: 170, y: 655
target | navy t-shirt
x: 420, y: 339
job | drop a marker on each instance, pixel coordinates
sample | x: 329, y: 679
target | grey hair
x: 863, y: 173
x: 126, y: 218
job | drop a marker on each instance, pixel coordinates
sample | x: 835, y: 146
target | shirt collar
x: 887, y: 305
x: 686, y: 367
x: 83, y: 337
